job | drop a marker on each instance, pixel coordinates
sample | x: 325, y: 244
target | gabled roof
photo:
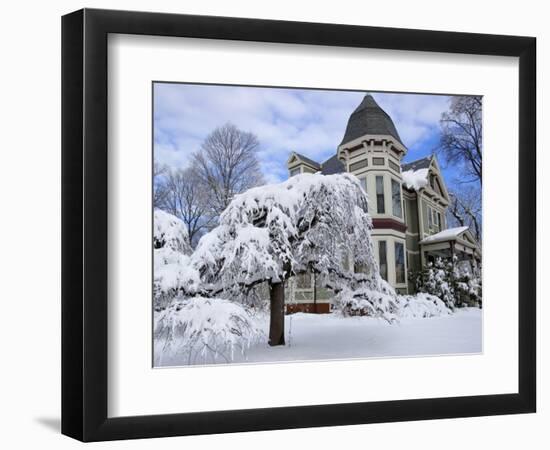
x: 332, y: 165
x: 308, y: 160
x: 423, y: 163
x: 369, y: 118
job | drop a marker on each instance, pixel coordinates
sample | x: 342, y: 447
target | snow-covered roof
x: 445, y: 235
x: 422, y: 163
x: 415, y: 179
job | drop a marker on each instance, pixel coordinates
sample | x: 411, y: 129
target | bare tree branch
x: 461, y: 135
x: 228, y: 164
x: 159, y: 185
x: 187, y: 198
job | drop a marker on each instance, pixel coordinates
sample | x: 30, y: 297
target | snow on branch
x: 173, y: 269
x: 170, y: 232
x: 309, y: 222
x: 204, y: 330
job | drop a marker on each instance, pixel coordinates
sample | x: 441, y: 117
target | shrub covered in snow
x: 365, y: 302
x: 173, y: 274
x: 204, y: 330
x: 468, y: 290
x: 173, y: 271
x: 170, y: 232
x: 384, y: 302
x: 421, y: 305
x: 445, y: 279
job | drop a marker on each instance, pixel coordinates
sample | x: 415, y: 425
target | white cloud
x: 311, y: 122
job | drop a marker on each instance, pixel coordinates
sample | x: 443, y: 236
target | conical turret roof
x: 369, y: 118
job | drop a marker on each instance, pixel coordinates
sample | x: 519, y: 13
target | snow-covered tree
x: 269, y: 233
x: 170, y: 232
x: 170, y: 258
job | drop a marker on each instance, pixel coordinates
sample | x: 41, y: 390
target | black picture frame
x: 84, y: 224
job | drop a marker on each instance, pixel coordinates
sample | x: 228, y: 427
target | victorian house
x: 408, y: 204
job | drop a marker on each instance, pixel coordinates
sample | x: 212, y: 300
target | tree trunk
x: 277, y: 316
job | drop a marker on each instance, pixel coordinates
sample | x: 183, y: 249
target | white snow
x: 171, y: 232
x: 204, y: 330
x: 449, y: 233
x: 415, y: 179
x: 421, y: 305
x: 331, y: 336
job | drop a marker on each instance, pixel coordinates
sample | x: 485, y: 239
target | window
x: 437, y: 219
x: 394, y: 166
x: 380, y: 208
x: 295, y: 171
x: 399, y: 263
x: 434, y: 219
x: 377, y: 161
x: 303, y: 281
x: 358, y: 165
x: 382, y: 257
x: 397, y: 209
x: 363, y: 182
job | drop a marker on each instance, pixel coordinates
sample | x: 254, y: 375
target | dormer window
x: 295, y: 171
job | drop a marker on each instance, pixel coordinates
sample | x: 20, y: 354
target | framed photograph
x: 273, y: 224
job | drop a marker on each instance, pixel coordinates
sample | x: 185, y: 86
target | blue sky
x: 311, y: 122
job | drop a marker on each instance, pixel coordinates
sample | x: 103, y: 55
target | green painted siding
x: 412, y: 243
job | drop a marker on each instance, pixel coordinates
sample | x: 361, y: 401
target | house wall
x: 372, y: 156
x: 367, y: 158
x: 426, y: 205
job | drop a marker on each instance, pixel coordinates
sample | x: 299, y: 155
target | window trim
x: 398, y: 184
x: 396, y: 244
x: 385, y: 259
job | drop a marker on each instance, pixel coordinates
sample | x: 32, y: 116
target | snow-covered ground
x: 330, y: 336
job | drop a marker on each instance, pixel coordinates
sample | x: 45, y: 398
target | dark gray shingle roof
x: 422, y: 163
x: 332, y: 165
x: 308, y: 161
x: 369, y: 118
